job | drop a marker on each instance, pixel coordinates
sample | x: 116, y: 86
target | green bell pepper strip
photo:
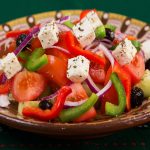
x: 70, y: 114
x: 111, y: 27
x: 136, y: 44
x: 69, y: 24
x: 113, y: 47
x: 100, y: 32
x: 115, y: 110
x: 37, y: 60
x: 24, y: 55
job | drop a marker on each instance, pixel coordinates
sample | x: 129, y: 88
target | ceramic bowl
x: 101, y: 126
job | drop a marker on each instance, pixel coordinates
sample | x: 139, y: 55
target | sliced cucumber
x: 144, y: 84
x: 21, y: 105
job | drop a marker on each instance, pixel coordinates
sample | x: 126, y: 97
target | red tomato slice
x: 97, y: 73
x: 55, y: 70
x: 78, y: 93
x: 90, y: 114
x: 12, y: 47
x: 4, y: 51
x: 136, y: 68
x: 27, y: 86
x: 35, y: 43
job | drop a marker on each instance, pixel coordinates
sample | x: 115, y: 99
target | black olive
x: 147, y: 64
x: 137, y: 97
x: 45, y: 105
x: 109, y: 34
x: 20, y: 39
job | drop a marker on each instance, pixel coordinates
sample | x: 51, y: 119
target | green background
x: 11, y: 9
x: 135, y: 138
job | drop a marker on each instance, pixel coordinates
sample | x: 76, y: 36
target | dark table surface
x: 134, y: 138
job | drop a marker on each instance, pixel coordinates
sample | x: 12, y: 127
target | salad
x: 73, y: 71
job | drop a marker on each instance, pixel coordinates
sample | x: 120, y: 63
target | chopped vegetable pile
x: 62, y: 70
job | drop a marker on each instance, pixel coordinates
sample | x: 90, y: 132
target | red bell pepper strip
x: 125, y: 79
x: 85, y: 12
x: 5, y: 88
x: 52, y: 113
x: 76, y: 50
x: 16, y: 33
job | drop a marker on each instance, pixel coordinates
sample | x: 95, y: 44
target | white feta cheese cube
x: 4, y: 101
x: 48, y: 34
x: 124, y: 52
x: 94, y: 19
x: 146, y: 49
x: 10, y: 65
x: 78, y: 69
x: 84, y: 32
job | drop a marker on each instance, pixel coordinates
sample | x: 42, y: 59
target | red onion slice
x: 64, y: 19
x: 67, y: 103
x: 104, y: 89
x: 6, y: 42
x: 27, y: 40
x: 107, y: 54
x: 4, y: 78
x: 92, y: 85
x: 62, y: 27
x: 120, y: 36
x: 93, y: 44
x: 52, y: 96
x: 96, y: 49
x: 112, y: 61
x: 72, y: 104
x: 60, y: 48
x: 4, y: 101
x: 106, y: 41
x: 90, y: 82
x: 107, y: 45
x: 143, y: 54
